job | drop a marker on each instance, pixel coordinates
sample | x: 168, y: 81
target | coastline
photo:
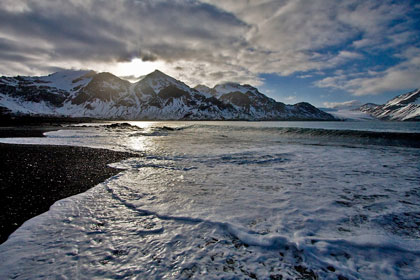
x: 33, y: 177
x: 26, y: 131
x: 335, y: 177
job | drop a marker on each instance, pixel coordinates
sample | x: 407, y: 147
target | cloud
x: 207, y: 41
x: 343, y: 105
x: 132, y: 78
x: 404, y: 75
x: 305, y: 76
x: 314, y: 36
x: 290, y: 98
x: 44, y: 33
x: 13, y: 6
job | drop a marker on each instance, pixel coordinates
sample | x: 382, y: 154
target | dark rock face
x: 105, y: 87
x: 252, y: 99
x: 237, y: 98
x: 81, y: 98
x: 218, y: 103
x: 173, y: 92
x: 260, y: 107
x: 26, y: 90
x: 309, y: 110
x: 144, y: 89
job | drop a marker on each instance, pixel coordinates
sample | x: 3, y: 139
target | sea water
x: 233, y: 200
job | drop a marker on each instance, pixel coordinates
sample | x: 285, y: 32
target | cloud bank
x: 362, y: 47
x: 343, y: 105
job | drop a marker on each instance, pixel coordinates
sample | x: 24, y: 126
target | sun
x: 136, y: 68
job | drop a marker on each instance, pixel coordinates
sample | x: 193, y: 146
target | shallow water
x: 234, y: 200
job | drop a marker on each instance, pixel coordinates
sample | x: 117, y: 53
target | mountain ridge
x: 157, y: 96
x: 404, y: 107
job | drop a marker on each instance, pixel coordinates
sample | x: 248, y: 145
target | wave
x: 123, y: 125
x: 169, y: 128
x: 321, y: 135
x: 364, y: 137
x: 158, y: 131
x: 321, y: 258
x: 247, y: 158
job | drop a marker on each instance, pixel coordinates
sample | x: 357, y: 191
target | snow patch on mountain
x: 155, y: 97
x: 66, y: 79
x: 231, y: 87
x: 404, y: 107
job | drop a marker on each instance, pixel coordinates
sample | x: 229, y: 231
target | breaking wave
x: 233, y: 201
x: 385, y: 138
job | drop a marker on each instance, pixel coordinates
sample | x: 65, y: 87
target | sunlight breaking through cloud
x: 212, y: 41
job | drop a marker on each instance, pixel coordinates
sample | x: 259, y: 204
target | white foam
x: 213, y: 202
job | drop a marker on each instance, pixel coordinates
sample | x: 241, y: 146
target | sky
x: 325, y: 52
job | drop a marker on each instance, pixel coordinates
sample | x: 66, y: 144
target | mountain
x: 249, y: 101
x: 404, y: 107
x: 156, y: 96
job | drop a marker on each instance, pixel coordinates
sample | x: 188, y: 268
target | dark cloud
x: 309, y: 36
x: 206, y: 41
x: 119, y: 31
x: 220, y: 75
x: 343, y: 105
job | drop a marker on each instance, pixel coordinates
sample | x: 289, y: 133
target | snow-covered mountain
x: 404, y: 107
x: 249, y: 101
x: 156, y: 96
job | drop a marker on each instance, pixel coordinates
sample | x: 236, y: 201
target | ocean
x: 233, y: 200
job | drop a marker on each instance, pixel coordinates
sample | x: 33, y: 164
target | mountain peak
x: 66, y: 79
x: 158, y: 74
x: 158, y: 80
x: 234, y: 85
x: 157, y: 71
x: 229, y: 87
x: 160, y: 77
x: 200, y: 86
x: 71, y: 73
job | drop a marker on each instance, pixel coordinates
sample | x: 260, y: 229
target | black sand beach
x: 33, y: 177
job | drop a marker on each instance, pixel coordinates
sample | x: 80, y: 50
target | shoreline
x: 27, y: 131
x: 33, y: 177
